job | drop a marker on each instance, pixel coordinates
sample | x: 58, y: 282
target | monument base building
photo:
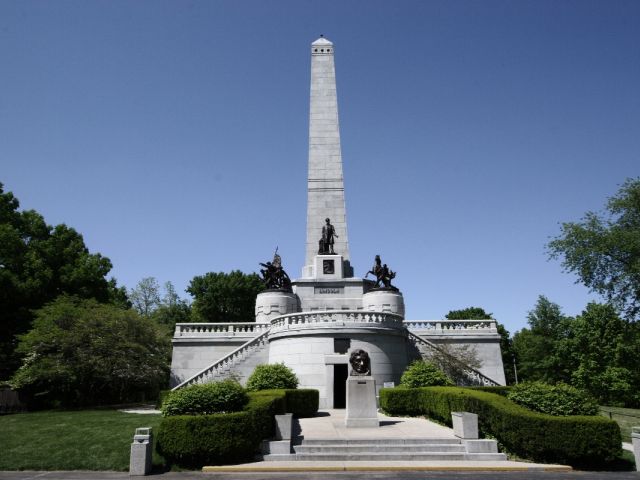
x: 327, y: 313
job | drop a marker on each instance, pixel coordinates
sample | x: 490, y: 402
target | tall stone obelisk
x: 325, y: 185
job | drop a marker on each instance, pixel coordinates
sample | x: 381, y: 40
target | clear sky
x: 173, y: 134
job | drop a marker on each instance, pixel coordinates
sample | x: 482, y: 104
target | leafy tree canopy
x: 81, y: 352
x: 604, y: 249
x: 38, y: 262
x: 542, y: 350
x: 225, y: 297
x: 606, y: 349
x: 469, y: 313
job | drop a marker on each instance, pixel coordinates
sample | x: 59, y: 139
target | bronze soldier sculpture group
x: 383, y: 274
x: 273, y: 275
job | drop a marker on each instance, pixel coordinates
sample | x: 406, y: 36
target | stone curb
x: 389, y: 468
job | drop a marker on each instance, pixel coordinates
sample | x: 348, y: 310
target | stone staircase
x: 388, y: 449
x: 238, y: 364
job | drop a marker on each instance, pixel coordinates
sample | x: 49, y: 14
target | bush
x: 209, y: 398
x: 424, y: 374
x: 498, y: 390
x: 301, y: 402
x: 272, y: 376
x: 560, y: 399
x: 194, y: 441
x: 578, y: 440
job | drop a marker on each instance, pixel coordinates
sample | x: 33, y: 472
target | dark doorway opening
x: 340, y: 373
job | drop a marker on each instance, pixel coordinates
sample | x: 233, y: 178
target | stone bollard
x: 284, y: 426
x: 465, y: 425
x: 141, y: 452
x: 635, y: 440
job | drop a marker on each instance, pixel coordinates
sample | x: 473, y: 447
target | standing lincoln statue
x: 326, y: 242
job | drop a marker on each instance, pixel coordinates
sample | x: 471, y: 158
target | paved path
x: 329, y: 424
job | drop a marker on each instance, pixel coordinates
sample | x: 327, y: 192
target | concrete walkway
x: 329, y: 424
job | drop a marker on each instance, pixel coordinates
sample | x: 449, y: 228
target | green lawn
x: 70, y: 440
x: 625, y: 417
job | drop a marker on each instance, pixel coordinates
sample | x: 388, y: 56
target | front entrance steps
x: 391, y: 449
x: 325, y: 438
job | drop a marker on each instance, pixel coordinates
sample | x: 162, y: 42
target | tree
x: 225, y: 297
x: 606, y: 349
x: 80, y: 352
x: 145, y: 297
x: 38, y: 262
x: 172, y: 309
x: 506, y: 345
x: 604, y: 250
x: 469, y: 313
x: 542, y: 351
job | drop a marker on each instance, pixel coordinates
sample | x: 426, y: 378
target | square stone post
x: 141, y: 452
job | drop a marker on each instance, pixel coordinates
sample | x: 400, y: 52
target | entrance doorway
x: 340, y: 374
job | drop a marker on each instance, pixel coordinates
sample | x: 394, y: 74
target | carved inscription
x: 329, y: 290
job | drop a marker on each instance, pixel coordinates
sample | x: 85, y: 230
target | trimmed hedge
x: 578, y: 440
x: 302, y: 402
x: 501, y: 390
x: 193, y: 441
x: 225, y: 396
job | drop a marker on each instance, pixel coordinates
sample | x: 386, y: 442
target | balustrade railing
x: 328, y: 318
x: 452, y: 326
x: 472, y: 377
x: 224, y: 365
x: 195, y: 330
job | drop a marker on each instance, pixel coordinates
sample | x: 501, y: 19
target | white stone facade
x: 329, y: 313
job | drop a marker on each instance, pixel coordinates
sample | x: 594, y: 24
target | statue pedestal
x: 361, y: 403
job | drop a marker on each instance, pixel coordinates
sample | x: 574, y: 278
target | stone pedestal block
x: 141, y: 452
x: 276, y: 447
x: 465, y: 425
x: 383, y: 301
x: 635, y: 440
x: 481, y: 446
x: 284, y: 426
x: 362, y: 411
x: 273, y: 303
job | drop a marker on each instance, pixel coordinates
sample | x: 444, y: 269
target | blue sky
x: 173, y: 134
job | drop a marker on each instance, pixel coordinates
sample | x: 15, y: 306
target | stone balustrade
x: 451, y: 326
x: 338, y: 318
x: 223, y: 366
x: 203, y: 330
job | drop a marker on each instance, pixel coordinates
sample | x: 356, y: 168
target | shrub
x: 560, y: 399
x: 272, y: 376
x: 424, y: 374
x: 205, y: 399
x: 577, y: 440
x: 498, y: 390
x: 194, y: 441
x: 301, y: 402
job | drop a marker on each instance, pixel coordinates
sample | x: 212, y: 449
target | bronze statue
x: 383, y: 274
x: 360, y: 363
x: 326, y: 242
x: 273, y: 275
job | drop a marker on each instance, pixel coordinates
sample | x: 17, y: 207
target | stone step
x: 399, y: 457
x: 380, y: 448
x: 382, y: 441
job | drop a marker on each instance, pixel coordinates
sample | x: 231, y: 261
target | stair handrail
x: 469, y: 371
x: 225, y: 359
